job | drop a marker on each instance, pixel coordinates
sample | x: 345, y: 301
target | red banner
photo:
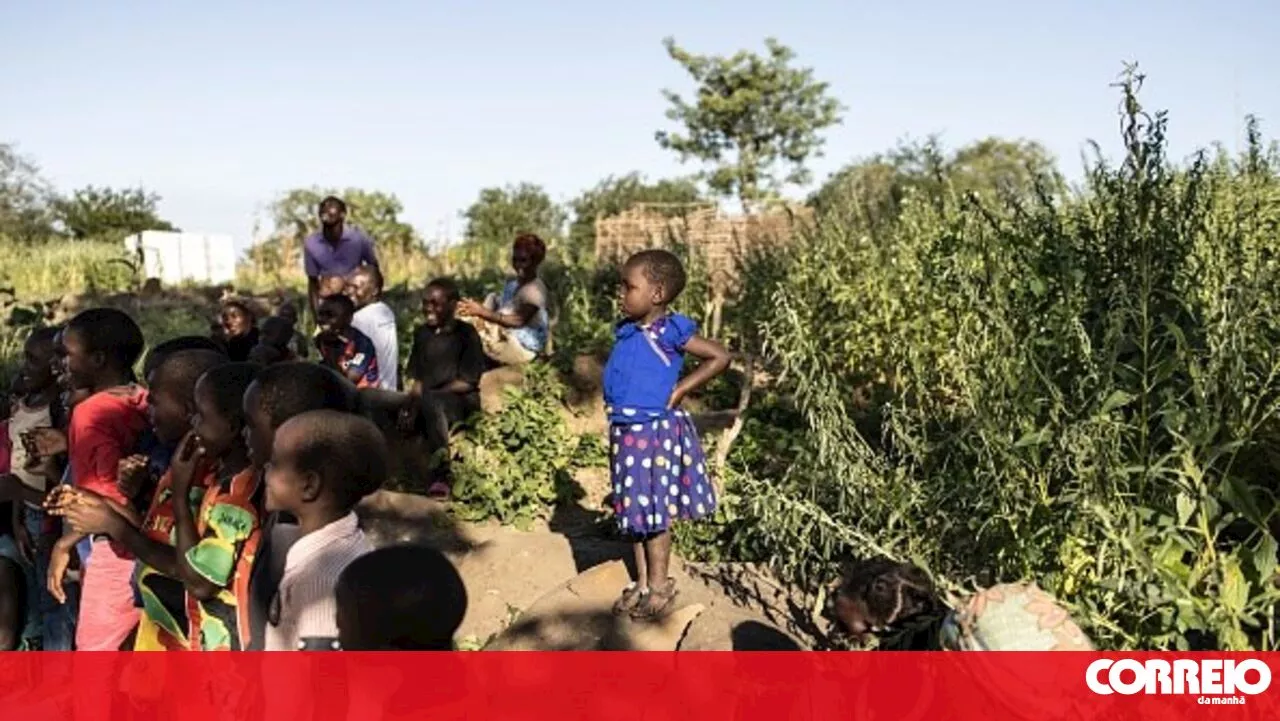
x: 694, y: 686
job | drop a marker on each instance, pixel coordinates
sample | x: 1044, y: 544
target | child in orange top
x: 228, y: 528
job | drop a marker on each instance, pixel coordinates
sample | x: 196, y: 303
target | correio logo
x: 1205, y: 678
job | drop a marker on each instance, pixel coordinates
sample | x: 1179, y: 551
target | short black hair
x: 228, y: 382
x: 44, y: 334
x: 181, y: 370
x: 402, y: 598
x: 264, y: 354
x: 289, y: 389
x: 893, y: 592
x: 157, y: 355
x: 240, y: 304
x: 662, y: 268
x: 332, y: 200
x: 447, y: 285
x: 340, y: 299
x: 275, y: 325
x: 111, y: 332
x: 346, y: 450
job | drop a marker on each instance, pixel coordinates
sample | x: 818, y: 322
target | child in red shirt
x: 98, y: 350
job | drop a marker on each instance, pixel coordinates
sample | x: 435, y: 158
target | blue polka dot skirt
x: 659, y: 474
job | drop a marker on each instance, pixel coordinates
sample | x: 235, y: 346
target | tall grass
x: 1081, y: 391
x: 55, y: 268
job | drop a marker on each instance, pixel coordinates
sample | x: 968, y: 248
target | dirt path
x: 552, y: 586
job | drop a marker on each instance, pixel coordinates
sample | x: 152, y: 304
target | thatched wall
x: 718, y: 238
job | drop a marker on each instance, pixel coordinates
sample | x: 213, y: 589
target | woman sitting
x: 513, y: 326
x: 898, y: 603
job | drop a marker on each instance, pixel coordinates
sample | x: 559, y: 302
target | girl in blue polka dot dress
x: 658, y: 469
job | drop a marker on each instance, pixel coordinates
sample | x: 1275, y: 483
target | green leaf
x: 1186, y: 506
x: 1033, y: 438
x: 1234, y: 593
x: 1264, y: 558
x: 1117, y: 399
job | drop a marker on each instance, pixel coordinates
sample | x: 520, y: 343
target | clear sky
x: 219, y: 107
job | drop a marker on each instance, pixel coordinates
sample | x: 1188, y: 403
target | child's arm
x: 182, y: 471
x: 715, y: 358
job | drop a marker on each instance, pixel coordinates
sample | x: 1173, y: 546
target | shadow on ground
x: 590, y: 536
x: 756, y: 636
x: 582, y: 631
x: 391, y: 518
x: 748, y: 586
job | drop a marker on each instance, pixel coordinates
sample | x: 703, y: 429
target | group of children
x: 210, y: 504
x: 148, y: 512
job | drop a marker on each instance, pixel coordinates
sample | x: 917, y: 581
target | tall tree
x: 107, y: 213
x: 25, y: 198
x: 614, y: 195
x: 499, y: 214
x: 295, y: 214
x: 756, y: 120
x: 989, y: 168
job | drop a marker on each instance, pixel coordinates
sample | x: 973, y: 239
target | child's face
x: 258, y: 432
x: 437, y: 309
x: 287, y: 487
x: 333, y: 317
x: 639, y: 294
x: 79, y: 364
x: 361, y: 290
x: 216, y: 434
x: 170, y: 412
x: 854, y: 615
x: 235, y: 322
x: 37, y: 366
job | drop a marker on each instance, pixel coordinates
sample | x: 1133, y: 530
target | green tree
x: 108, y: 213
x: 499, y: 214
x: 991, y: 168
x: 25, y: 198
x: 296, y: 215
x: 616, y: 194
x: 756, y: 120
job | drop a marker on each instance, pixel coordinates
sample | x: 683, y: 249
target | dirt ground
x: 551, y: 587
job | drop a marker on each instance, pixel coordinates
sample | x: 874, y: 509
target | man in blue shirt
x: 335, y: 250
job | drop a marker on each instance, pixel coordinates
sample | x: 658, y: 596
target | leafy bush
x: 514, y: 465
x: 1078, y: 390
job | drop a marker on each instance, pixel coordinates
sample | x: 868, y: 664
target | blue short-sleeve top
x: 645, y: 366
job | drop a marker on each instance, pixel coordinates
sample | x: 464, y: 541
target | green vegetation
x: 963, y: 362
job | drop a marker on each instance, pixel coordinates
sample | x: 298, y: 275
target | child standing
x: 161, y: 580
x: 99, y: 348
x: 27, y: 482
x: 279, y: 393
x: 322, y: 464
x: 658, y: 469
x: 222, y: 543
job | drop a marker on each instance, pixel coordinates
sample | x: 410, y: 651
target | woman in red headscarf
x: 513, y: 326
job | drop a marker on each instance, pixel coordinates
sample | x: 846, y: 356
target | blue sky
x: 220, y: 107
